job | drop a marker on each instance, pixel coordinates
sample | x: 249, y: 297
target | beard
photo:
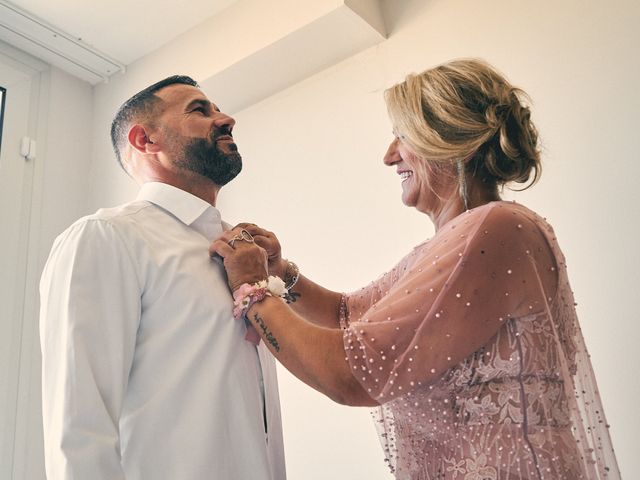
x: 204, y: 157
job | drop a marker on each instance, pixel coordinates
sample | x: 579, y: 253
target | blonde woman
x: 469, y: 348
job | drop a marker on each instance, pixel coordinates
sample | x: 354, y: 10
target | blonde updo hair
x: 466, y: 111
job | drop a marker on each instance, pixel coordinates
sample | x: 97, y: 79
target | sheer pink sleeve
x: 447, y: 299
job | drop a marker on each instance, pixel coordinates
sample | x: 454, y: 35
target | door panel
x: 16, y: 175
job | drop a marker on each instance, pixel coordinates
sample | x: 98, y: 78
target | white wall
x: 66, y: 156
x: 313, y: 174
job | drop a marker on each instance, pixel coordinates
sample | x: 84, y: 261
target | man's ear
x: 139, y: 139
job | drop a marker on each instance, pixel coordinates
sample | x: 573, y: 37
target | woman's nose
x: 392, y: 156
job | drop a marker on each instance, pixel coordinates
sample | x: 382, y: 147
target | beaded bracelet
x: 248, y: 294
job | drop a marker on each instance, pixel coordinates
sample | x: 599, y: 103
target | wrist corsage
x: 248, y: 294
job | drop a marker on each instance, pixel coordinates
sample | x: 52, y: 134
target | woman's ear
x: 139, y: 139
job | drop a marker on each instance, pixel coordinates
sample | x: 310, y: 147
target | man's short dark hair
x: 140, y: 107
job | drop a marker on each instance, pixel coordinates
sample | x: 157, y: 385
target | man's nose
x: 222, y: 119
x: 223, y: 124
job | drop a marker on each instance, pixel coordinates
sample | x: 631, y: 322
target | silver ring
x: 244, y: 236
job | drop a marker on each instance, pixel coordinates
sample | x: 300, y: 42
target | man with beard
x: 146, y: 375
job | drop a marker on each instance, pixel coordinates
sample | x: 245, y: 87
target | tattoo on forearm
x: 268, y: 336
x: 291, y: 296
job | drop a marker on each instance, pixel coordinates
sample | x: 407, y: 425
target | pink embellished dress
x: 525, y: 405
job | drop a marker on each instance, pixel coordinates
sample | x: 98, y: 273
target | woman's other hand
x: 244, y: 259
x: 271, y: 244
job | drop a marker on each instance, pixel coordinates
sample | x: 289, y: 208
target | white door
x: 16, y: 177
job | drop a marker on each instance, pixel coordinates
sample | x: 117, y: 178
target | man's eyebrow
x: 201, y: 102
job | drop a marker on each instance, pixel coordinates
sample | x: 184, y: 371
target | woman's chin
x: 407, y: 198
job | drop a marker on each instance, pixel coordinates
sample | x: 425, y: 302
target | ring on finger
x: 243, y: 236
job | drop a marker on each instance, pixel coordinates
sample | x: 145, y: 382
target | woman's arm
x: 312, y: 353
x: 315, y: 303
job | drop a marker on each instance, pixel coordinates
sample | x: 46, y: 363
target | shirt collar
x: 182, y: 205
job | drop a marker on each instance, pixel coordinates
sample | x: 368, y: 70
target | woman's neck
x: 453, y: 205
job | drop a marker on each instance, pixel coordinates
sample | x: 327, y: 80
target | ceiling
x: 125, y: 30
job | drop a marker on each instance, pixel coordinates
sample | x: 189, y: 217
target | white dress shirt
x: 146, y: 375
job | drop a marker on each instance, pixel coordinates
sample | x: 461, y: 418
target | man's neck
x: 206, y: 190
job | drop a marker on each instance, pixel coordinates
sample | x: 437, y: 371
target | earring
x: 462, y: 183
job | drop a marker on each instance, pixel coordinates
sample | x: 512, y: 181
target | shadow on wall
x: 398, y: 12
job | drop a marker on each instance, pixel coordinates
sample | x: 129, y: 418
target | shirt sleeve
x: 449, y: 298
x: 90, y: 312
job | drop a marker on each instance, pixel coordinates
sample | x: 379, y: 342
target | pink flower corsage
x: 248, y: 294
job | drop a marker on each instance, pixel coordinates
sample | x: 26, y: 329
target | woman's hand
x: 244, y: 260
x: 271, y: 244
